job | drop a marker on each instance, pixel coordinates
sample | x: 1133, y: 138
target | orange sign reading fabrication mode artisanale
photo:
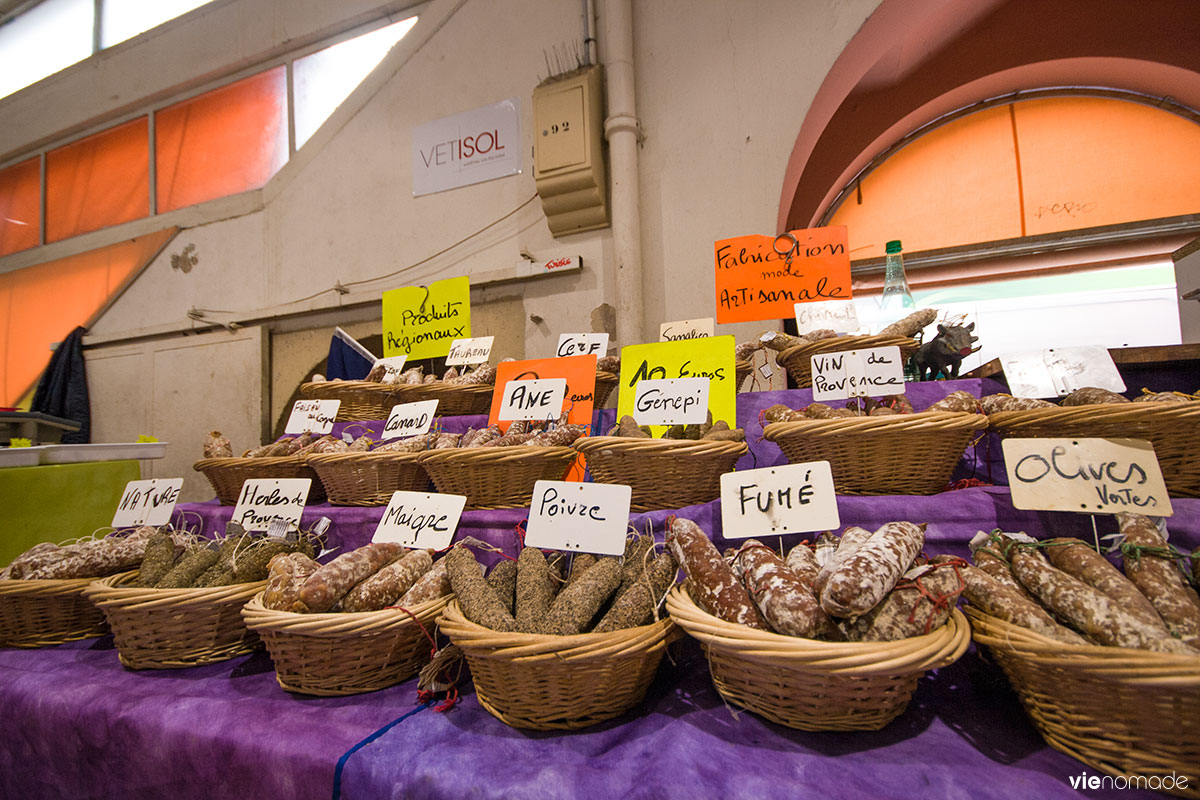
x: 763, y: 277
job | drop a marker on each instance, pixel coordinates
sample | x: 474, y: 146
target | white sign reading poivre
x: 671, y: 401
x: 790, y: 498
x: 584, y: 517
x: 857, y: 373
x: 475, y: 146
x: 148, y: 502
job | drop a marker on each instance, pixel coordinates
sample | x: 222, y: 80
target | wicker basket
x: 897, y: 454
x: 741, y: 371
x: 1173, y: 429
x: 339, y: 654
x: 798, y: 360
x: 38, y: 613
x: 228, y: 474
x: 605, y: 383
x: 545, y: 682
x: 664, y: 473
x: 1123, y: 712
x: 361, y: 400
x: 172, y: 628
x: 368, y: 479
x: 496, y: 477
x: 814, y: 685
x: 454, y: 399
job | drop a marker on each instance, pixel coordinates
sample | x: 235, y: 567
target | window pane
x: 322, y: 80
x: 223, y: 142
x: 48, y: 37
x: 124, y: 19
x: 20, y: 206
x: 98, y: 181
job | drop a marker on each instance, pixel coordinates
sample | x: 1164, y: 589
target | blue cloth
x: 344, y: 361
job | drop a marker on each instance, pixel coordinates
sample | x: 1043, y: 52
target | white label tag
x: 685, y: 329
x: 834, y: 315
x: 263, y: 499
x: 418, y: 519
x: 393, y: 365
x: 857, y: 373
x: 410, y: 419
x: 1058, y: 371
x: 671, y: 401
x: 582, y: 344
x: 541, y: 398
x: 148, y: 502
x: 765, y: 370
x: 791, y: 498
x: 583, y: 517
x: 555, y: 265
x: 470, y: 351
x: 1093, y: 476
x: 312, y: 416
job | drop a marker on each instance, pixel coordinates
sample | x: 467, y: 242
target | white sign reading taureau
x: 471, y: 147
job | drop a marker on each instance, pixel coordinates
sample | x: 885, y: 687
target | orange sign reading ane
x: 763, y: 277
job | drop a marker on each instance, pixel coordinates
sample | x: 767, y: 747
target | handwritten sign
x: 312, y: 416
x: 763, y: 277
x: 147, y: 502
x: 582, y: 344
x: 422, y: 321
x: 420, y: 519
x: 556, y: 265
x: 583, y: 517
x: 578, y: 371
x: 263, y: 499
x: 872, y: 372
x: 1058, y: 371
x: 696, y: 358
x: 392, y: 366
x: 409, y: 419
x: 835, y: 315
x: 470, y: 351
x: 1096, y: 476
x: 791, y: 498
x: 535, y: 399
x: 671, y: 401
x: 686, y: 329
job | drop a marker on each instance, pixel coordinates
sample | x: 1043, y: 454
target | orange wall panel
x: 20, y: 206
x: 98, y: 181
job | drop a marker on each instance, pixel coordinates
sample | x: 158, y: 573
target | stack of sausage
x: 484, y: 373
x: 85, y: 558
x: 863, y: 586
x: 216, y: 445
x: 536, y: 594
x: 709, y: 431
x: 887, y: 405
x: 1063, y: 589
x: 1087, y: 396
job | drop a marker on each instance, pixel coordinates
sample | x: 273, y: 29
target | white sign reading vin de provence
x: 472, y: 147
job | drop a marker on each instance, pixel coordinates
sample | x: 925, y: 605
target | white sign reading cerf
x: 471, y: 147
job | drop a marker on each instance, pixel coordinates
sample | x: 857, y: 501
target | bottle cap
x: 893, y: 246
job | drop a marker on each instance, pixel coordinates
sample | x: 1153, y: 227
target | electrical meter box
x: 568, y: 151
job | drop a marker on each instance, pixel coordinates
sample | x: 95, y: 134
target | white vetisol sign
x: 790, y: 498
x: 583, y: 517
x: 671, y: 401
x: 472, y: 147
x: 148, y: 502
x: 872, y: 372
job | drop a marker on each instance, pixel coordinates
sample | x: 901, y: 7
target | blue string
x: 341, y: 764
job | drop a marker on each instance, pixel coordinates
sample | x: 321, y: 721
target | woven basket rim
x: 240, y: 461
x: 337, y: 624
x: 111, y: 591
x: 485, y: 455
x: 330, y: 459
x: 843, y: 343
x: 697, y: 447
x: 915, y: 654
x: 922, y: 421
x: 551, y: 649
x: 1101, y: 412
x: 51, y: 586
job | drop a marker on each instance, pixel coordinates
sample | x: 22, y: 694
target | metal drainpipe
x: 623, y: 132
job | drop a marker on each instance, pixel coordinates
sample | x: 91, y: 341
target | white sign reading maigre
x: 471, y: 147
x: 1058, y: 371
x: 410, y: 419
x: 541, y: 398
x: 686, y: 329
x: 857, y: 373
x: 264, y: 499
x: 312, y: 416
x: 470, y: 351
x: 671, y: 401
x: 1096, y: 476
x: 147, y: 502
x: 791, y: 498
x: 582, y: 344
x: 834, y: 315
x: 419, y: 519
x: 584, y: 517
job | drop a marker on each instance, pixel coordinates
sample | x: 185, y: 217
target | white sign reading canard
x: 471, y: 147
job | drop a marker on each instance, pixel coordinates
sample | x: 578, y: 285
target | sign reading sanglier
x: 472, y: 147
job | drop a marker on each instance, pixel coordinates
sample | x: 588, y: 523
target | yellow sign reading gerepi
x: 421, y: 322
x: 689, y: 358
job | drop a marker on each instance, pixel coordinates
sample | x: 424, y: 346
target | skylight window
x: 49, y: 37
x: 124, y: 19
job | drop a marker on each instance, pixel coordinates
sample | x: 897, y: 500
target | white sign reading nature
x: 471, y: 147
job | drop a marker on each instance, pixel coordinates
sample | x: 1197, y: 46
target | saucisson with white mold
x: 561, y: 436
x: 216, y: 445
x: 433, y: 584
x: 990, y: 558
x: 778, y: 413
x: 1159, y: 578
x: 995, y: 403
x: 330, y: 583
x: 1161, y: 397
x: 477, y: 600
x: 787, y: 604
x: 919, y: 603
x: 1089, y: 611
x: 100, y: 557
x: 959, y: 401
x: 1091, y: 396
x: 845, y: 546
x: 714, y: 584
x: 859, y: 582
x: 389, y: 583
x: 286, y: 573
x: 1005, y: 603
x: 911, y: 325
x: 802, y: 560
x: 1080, y: 561
x: 635, y: 603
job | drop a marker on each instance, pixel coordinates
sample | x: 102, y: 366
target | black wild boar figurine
x: 944, y: 352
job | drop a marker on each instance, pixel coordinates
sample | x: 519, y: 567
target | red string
x: 520, y: 529
x: 937, y: 603
x: 452, y: 696
x: 966, y: 483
